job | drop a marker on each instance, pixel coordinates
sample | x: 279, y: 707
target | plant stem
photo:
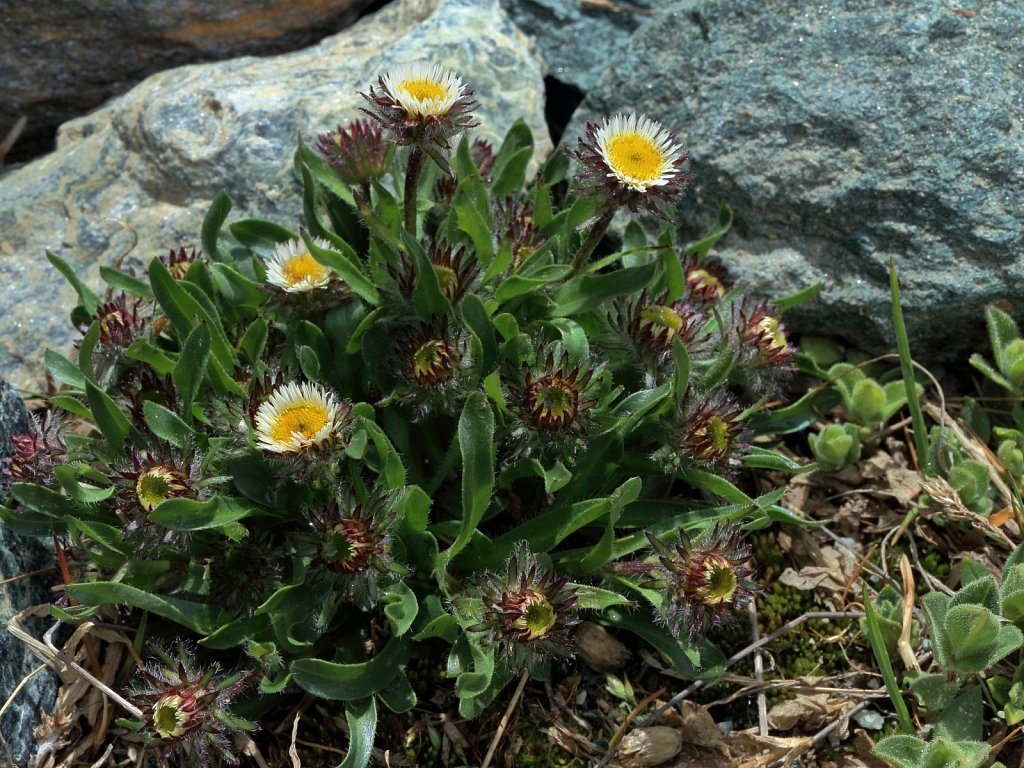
x: 412, y: 180
x: 594, y: 235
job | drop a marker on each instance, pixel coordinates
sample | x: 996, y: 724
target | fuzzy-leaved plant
x: 443, y: 415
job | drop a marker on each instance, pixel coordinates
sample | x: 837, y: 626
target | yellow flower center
x: 447, y: 279
x: 153, y: 487
x: 537, y: 618
x: 772, y: 329
x: 302, y: 268
x: 305, y: 418
x: 431, y: 362
x: 701, y: 279
x: 422, y: 89
x: 635, y: 156
x: 722, y: 582
x: 716, y: 429
x: 662, y: 317
x: 168, y: 718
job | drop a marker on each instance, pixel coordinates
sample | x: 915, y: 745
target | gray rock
x: 13, y: 417
x: 844, y: 135
x: 19, y: 555
x: 59, y: 59
x: 579, y: 39
x: 153, y: 159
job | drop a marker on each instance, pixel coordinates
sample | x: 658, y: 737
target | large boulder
x: 152, y: 160
x: 20, y: 555
x: 61, y: 59
x: 845, y: 135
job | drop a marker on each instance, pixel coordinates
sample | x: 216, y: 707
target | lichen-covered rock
x: 845, y: 134
x: 20, y: 555
x: 61, y: 59
x: 152, y: 160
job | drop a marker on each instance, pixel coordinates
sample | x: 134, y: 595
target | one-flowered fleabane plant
x: 428, y: 416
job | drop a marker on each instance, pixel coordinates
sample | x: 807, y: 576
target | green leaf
x: 236, y: 288
x: 400, y: 607
x: 181, y: 514
x: 125, y: 282
x: 427, y: 296
x: 344, y: 267
x: 885, y: 664
x: 907, y: 368
x: 475, y: 315
x: 686, y: 662
x: 399, y: 695
x: 393, y: 470
x: 199, y: 617
x: 85, y: 350
x: 109, y: 418
x: 43, y: 501
x: 517, y: 285
x: 962, y: 720
x: 89, y: 300
x: 587, y: 291
x: 63, y: 370
x: 361, y: 716
x: 476, y: 443
x: 320, y: 170
x: 597, y: 599
x: 166, y: 424
x: 212, y: 223
x: 473, y: 212
x: 719, y: 229
x: 254, y: 340
x: 681, y: 378
x: 309, y: 363
x: 145, y: 351
x: 763, y: 458
x: 509, y: 171
x: 349, y: 682
x: 797, y: 297
x: 901, y: 751
x: 256, y: 233
x: 190, y: 371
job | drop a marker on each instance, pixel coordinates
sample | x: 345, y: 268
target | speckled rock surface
x: 579, y: 39
x: 20, y: 555
x: 845, y: 134
x: 154, y: 158
x: 61, y: 59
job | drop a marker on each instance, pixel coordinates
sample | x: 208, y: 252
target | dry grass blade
x: 909, y: 596
x: 505, y: 718
x: 293, y: 752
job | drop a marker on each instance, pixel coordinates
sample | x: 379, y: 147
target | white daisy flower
x: 637, y: 151
x: 423, y: 89
x: 296, y: 418
x: 292, y: 268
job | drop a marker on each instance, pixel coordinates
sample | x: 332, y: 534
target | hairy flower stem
x: 412, y: 180
x: 594, y: 235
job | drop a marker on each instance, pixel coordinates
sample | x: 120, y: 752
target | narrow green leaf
x: 109, y: 418
x: 588, y: 291
x: 511, y: 176
x: 254, y: 340
x: 351, y: 275
x: 475, y: 315
x: 190, y: 372
x: 63, y: 370
x: 476, y: 442
x: 145, y: 351
x: 309, y: 363
x: 166, y: 424
x: 719, y: 229
x: 199, y: 617
x: 125, y: 282
x: 212, y: 223
x: 182, y: 514
x: 681, y: 377
x: 86, y: 297
x: 361, y: 716
x: 885, y: 665
x: 907, y: 370
x: 322, y: 172
x: 348, y: 682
